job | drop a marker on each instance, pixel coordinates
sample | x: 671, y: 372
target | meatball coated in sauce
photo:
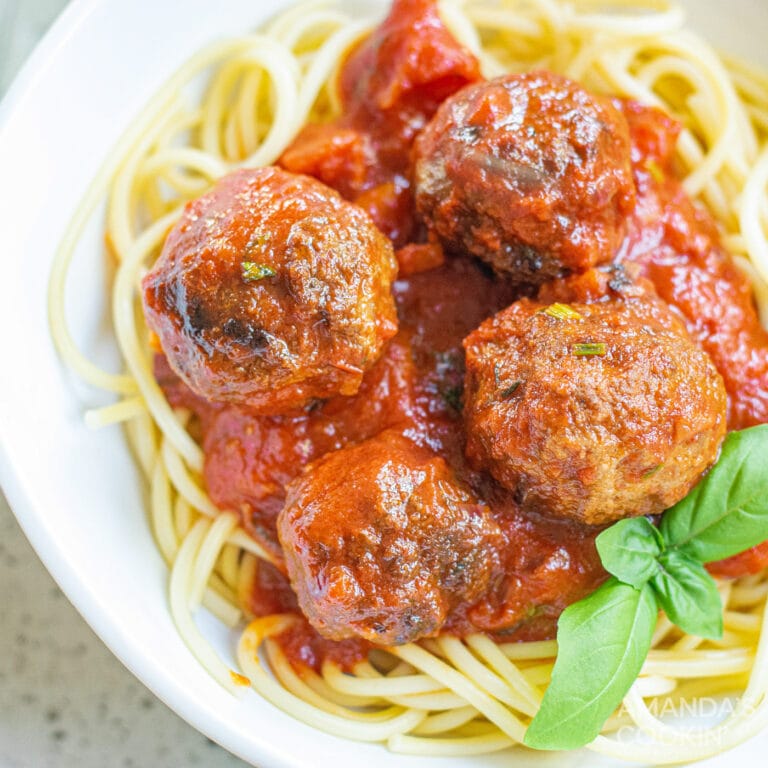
x: 529, y: 172
x: 270, y: 291
x: 382, y: 541
x: 592, y: 411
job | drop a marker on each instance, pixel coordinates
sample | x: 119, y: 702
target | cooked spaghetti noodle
x: 443, y: 696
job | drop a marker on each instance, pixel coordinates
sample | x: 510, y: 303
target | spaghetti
x: 443, y: 696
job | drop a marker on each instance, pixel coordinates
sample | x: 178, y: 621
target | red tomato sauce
x: 391, y: 85
x: 676, y: 243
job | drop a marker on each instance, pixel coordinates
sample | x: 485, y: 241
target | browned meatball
x: 592, y: 411
x: 381, y: 541
x: 529, y: 172
x: 272, y: 290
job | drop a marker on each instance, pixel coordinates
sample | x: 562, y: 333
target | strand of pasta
x: 181, y: 609
x: 132, y: 349
x: 445, y: 722
x: 400, y: 721
x: 461, y: 685
x: 319, y: 684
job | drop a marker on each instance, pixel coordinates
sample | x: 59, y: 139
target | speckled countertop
x: 65, y: 701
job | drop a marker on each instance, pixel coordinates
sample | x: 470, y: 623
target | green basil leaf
x: 629, y: 550
x: 727, y: 512
x: 602, y: 641
x: 688, y: 595
x: 253, y: 271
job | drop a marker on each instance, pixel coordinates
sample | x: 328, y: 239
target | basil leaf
x: 727, y: 512
x: 688, y: 595
x: 629, y: 550
x: 603, y: 641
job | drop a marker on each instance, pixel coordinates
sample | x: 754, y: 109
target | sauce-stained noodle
x: 443, y: 696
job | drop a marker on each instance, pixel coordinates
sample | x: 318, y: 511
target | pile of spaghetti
x: 240, y: 103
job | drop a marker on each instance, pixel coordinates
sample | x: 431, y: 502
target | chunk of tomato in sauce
x: 390, y: 86
x: 546, y: 564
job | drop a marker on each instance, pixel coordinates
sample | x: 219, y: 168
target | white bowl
x: 76, y: 492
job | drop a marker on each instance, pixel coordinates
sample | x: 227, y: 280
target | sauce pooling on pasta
x: 527, y: 562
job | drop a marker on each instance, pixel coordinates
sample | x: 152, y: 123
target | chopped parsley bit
x: 561, y: 312
x: 313, y: 405
x: 511, y: 389
x: 452, y: 397
x: 652, y: 472
x: 619, y: 279
x: 655, y: 170
x: 587, y: 350
x: 253, y: 271
x: 448, y: 362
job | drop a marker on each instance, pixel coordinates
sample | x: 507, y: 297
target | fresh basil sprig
x: 604, y: 639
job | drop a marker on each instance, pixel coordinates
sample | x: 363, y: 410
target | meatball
x: 592, y: 411
x: 270, y: 291
x: 382, y: 541
x: 530, y: 173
